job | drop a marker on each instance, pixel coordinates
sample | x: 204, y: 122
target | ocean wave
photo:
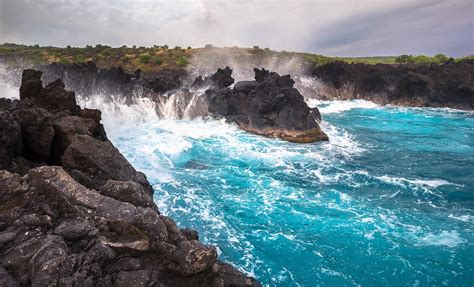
x: 416, y: 183
x: 117, y: 114
x: 8, y: 90
x: 449, y: 238
x: 331, y: 107
x: 340, y: 140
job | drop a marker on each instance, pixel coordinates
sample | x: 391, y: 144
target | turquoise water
x: 389, y: 201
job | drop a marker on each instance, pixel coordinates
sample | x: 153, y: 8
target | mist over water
x: 389, y: 200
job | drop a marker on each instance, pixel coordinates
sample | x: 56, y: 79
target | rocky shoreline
x: 270, y: 105
x: 448, y: 85
x: 74, y: 212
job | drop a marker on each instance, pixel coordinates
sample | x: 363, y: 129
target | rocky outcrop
x: 448, y: 85
x: 268, y: 106
x: 86, y: 79
x: 220, y: 79
x: 74, y: 212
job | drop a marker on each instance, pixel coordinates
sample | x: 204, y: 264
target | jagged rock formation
x: 268, y: 106
x: 87, y: 79
x: 74, y: 212
x: 220, y: 79
x: 447, y: 85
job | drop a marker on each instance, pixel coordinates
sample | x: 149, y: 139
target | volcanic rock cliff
x: 74, y: 212
x: 268, y: 106
x: 448, y: 85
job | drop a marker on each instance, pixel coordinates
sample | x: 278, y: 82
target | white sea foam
x: 464, y: 217
x: 423, y: 183
x: 445, y: 238
x: 330, y: 107
x: 117, y: 114
x: 197, y: 128
x: 7, y: 89
x: 340, y: 141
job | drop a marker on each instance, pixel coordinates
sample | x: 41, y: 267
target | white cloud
x: 346, y: 28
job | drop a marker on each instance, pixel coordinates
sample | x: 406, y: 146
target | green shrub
x: 423, y: 59
x: 80, y: 58
x: 144, y: 58
x: 181, y: 60
x: 106, y: 52
x: 403, y: 59
x: 157, y: 61
x: 441, y: 58
x: 64, y: 61
x: 125, y: 59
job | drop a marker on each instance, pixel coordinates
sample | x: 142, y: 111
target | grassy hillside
x: 152, y: 59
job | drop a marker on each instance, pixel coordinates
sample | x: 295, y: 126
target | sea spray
x: 365, y: 208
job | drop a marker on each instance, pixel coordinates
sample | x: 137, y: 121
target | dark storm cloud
x: 346, y: 28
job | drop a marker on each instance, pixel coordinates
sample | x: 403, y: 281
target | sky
x: 328, y: 27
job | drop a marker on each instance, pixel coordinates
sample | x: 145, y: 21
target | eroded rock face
x: 447, y: 85
x: 10, y: 138
x: 90, y: 220
x: 87, y: 79
x: 268, y: 106
x: 220, y: 79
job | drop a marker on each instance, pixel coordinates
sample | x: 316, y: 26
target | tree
x: 145, y: 58
x: 403, y: 59
x: 441, y: 58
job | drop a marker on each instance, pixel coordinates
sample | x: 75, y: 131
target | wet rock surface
x: 268, y: 106
x: 74, y: 212
x: 421, y: 85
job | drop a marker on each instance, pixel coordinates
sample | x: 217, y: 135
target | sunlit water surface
x: 388, y: 201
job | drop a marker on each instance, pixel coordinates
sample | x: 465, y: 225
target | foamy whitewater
x: 389, y: 201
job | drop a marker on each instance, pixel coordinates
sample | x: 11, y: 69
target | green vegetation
x: 181, y: 60
x: 404, y: 59
x: 152, y: 59
x: 157, y: 61
x: 145, y: 58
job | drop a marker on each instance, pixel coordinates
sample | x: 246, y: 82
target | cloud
x: 345, y: 28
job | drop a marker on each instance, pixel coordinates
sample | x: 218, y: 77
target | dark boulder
x: 269, y: 106
x: 193, y: 257
x: 448, y: 85
x: 74, y: 229
x: 6, y: 279
x: 190, y: 234
x: 97, y: 160
x: 245, y: 86
x: 220, y: 79
x: 164, y: 81
x: 53, y: 97
x: 65, y: 128
x: 128, y: 191
x: 37, y: 132
x: 10, y: 139
x: 31, y: 85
